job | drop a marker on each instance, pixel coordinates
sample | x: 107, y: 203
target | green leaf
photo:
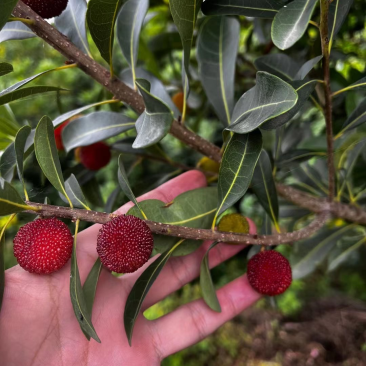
x: 195, y: 208
x: 101, y: 17
x: 10, y: 201
x: 278, y: 64
x: 264, y: 187
x: 19, y: 146
x: 129, y: 24
x: 77, y: 295
x: 338, y: 11
x: 140, y: 290
x: 303, y: 90
x: 217, y: 48
x: 7, y: 7
x: 290, y: 23
x: 270, y: 98
x: 90, y: 288
x: 125, y: 185
x: 5, y: 68
x: 71, y: 23
x: 92, y: 192
x: 309, y: 253
x: 8, y: 127
x: 357, y: 117
x: 94, y: 127
x: 47, y: 156
x: 249, y: 8
x: 75, y: 193
x: 240, y: 158
x: 15, y: 31
x: 184, y: 14
x: 307, y: 67
x: 26, y: 92
x: 155, y: 122
x: 297, y: 156
x: 207, y: 286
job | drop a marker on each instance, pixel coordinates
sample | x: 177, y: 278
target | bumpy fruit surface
x: 47, y: 8
x: 269, y: 273
x: 178, y: 100
x: 234, y: 223
x: 43, y: 246
x: 125, y: 244
x: 58, y: 136
x: 94, y: 157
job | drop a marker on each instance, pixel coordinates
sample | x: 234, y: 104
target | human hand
x: 38, y: 325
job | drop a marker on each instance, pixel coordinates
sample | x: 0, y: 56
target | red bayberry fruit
x: 58, y: 135
x: 269, y: 273
x: 47, y: 8
x: 94, y: 157
x: 43, y: 246
x: 125, y: 244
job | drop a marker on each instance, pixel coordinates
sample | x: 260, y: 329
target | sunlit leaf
x: 95, y: 127
x: 249, y: 8
x: 217, y: 49
x: 290, y: 23
x: 240, y: 158
x: 207, y: 286
x: 270, y: 97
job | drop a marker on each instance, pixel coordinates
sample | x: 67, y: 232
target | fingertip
x: 252, y: 226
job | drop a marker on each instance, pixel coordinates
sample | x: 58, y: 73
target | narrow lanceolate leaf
x: 217, y: 48
x: 5, y: 68
x: 278, y: 64
x: 184, y: 13
x: 357, y: 117
x: 47, y: 156
x: 101, y: 17
x: 195, y: 208
x: 304, y: 90
x: 264, y: 187
x: 207, y: 286
x: 7, y: 7
x: 19, y: 145
x: 75, y: 193
x: 71, y: 23
x: 125, y: 185
x: 307, y: 67
x: 240, y: 158
x: 90, y: 288
x: 154, y: 123
x: 140, y: 290
x: 338, y: 11
x: 26, y: 92
x: 95, y: 127
x: 290, y: 24
x: 249, y: 8
x: 308, y: 254
x: 77, y: 296
x: 129, y: 24
x: 268, y: 99
x: 15, y: 31
x: 10, y: 201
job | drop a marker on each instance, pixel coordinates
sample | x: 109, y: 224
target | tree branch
x: 324, y: 10
x: 183, y: 232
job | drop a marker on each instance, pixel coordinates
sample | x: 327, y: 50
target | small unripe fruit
x: 47, y: 8
x: 269, y: 273
x: 58, y: 135
x: 178, y: 100
x: 43, y: 246
x: 209, y: 165
x: 125, y: 244
x: 94, y: 157
x: 234, y: 223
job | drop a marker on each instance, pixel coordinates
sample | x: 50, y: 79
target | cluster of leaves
x: 267, y: 130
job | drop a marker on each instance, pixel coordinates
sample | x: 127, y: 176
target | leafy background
x: 261, y: 333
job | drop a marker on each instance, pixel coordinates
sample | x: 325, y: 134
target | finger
x: 181, y: 270
x: 167, y: 192
x: 196, y: 320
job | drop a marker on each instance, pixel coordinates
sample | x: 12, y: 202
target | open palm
x: 38, y: 325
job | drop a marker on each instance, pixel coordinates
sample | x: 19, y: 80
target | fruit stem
x: 25, y: 21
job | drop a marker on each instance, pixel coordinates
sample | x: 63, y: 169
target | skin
x: 38, y: 325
